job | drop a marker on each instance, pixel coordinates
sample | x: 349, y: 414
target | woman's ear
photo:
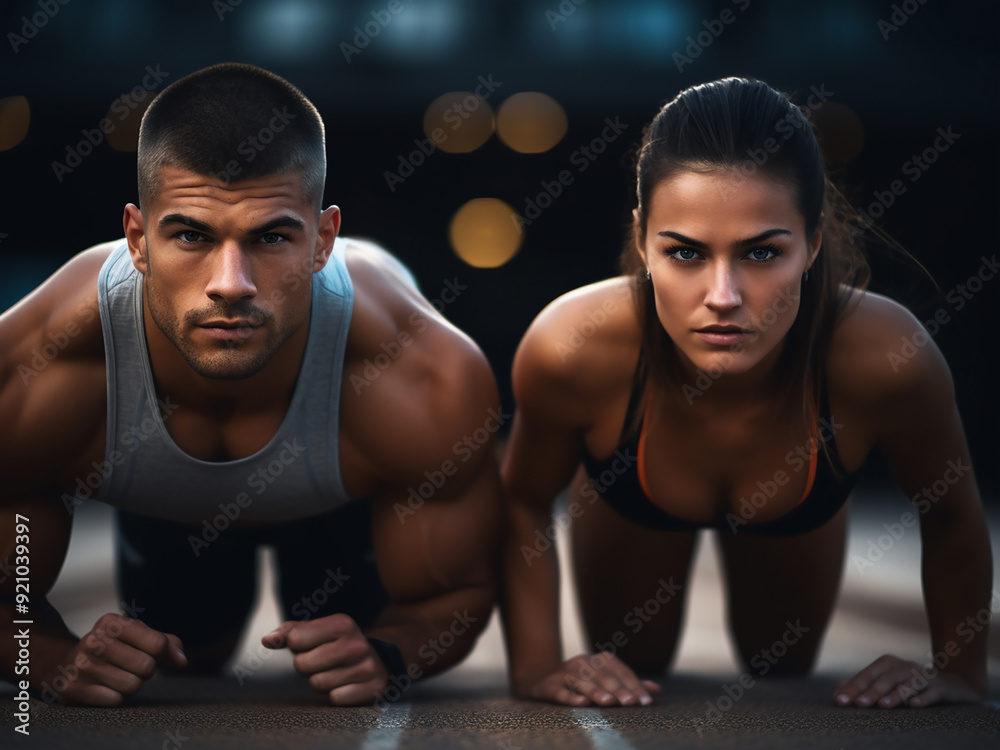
x: 637, y: 234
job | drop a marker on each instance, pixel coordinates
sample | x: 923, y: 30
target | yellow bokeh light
x: 15, y: 117
x: 485, y: 233
x: 458, y: 122
x: 125, y: 135
x: 531, y: 122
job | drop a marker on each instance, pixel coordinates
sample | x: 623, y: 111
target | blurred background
x: 450, y: 124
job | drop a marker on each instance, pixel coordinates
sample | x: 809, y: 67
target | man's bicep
x: 430, y: 539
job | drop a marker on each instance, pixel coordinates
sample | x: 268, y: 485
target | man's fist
x: 112, y: 661
x: 336, y: 657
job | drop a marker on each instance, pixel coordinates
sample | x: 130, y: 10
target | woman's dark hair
x: 744, y: 127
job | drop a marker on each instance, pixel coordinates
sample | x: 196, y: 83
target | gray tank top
x: 296, y: 475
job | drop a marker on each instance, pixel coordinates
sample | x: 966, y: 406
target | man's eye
x: 271, y: 238
x: 189, y: 236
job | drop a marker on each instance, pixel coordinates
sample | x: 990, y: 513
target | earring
x: 647, y: 275
x: 805, y: 276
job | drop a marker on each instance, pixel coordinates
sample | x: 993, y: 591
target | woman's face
x: 726, y: 267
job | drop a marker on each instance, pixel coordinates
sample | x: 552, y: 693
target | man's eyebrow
x: 186, y: 221
x: 281, y: 221
x: 739, y: 243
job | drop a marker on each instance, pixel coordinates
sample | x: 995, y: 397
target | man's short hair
x: 233, y: 122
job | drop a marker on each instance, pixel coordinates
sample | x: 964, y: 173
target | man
x: 232, y: 374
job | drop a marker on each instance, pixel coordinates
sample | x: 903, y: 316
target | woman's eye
x: 763, y: 254
x: 683, y: 253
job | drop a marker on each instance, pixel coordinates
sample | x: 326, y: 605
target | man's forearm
x: 436, y: 633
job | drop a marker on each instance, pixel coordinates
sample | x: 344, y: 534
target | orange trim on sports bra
x: 641, y: 468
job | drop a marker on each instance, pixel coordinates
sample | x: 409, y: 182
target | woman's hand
x: 599, y: 678
x: 890, y: 681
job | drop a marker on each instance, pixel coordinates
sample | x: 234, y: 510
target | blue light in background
x: 847, y: 26
x: 561, y: 30
x: 287, y: 30
x: 644, y: 29
x: 422, y: 31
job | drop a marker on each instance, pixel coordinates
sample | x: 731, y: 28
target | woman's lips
x: 723, y: 335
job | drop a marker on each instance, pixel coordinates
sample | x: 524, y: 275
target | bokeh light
x: 126, y: 120
x: 459, y: 122
x: 485, y: 233
x: 531, y: 122
x: 15, y: 118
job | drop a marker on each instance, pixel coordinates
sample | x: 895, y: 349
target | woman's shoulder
x: 880, y: 350
x: 582, y: 345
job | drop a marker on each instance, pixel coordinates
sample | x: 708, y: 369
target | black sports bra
x: 620, y: 480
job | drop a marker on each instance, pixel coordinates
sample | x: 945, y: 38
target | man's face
x: 228, y: 267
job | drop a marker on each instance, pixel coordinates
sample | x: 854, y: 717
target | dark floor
x: 879, y: 611
x: 459, y: 713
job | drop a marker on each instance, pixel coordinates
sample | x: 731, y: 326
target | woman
x: 734, y: 378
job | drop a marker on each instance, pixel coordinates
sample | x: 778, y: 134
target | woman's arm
x: 911, y: 400
x: 555, y: 397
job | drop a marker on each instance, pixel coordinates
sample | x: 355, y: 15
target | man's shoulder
x: 63, y: 308
x: 52, y: 375
x: 407, y: 366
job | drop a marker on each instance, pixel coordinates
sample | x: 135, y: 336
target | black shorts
x: 325, y: 565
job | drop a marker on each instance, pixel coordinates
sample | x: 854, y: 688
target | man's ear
x: 135, y: 235
x: 329, y: 228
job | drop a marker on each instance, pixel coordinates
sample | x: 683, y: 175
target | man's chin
x: 229, y: 368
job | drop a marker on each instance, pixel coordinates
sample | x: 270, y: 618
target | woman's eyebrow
x: 739, y: 243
